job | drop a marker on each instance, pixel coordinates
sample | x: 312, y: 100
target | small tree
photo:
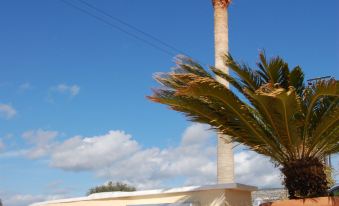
x: 110, y: 187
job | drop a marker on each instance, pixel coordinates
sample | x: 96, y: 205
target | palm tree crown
x: 272, y: 112
x: 221, y: 3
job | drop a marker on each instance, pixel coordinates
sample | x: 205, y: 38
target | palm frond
x: 187, y: 65
x: 214, y: 90
x: 311, y: 97
x: 277, y: 115
x: 275, y: 71
x: 247, y: 76
x: 233, y: 81
x: 296, y: 79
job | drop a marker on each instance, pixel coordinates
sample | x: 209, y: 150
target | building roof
x: 113, y: 195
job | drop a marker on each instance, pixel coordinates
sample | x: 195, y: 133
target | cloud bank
x: 116, y: 156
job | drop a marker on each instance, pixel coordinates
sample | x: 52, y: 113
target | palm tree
x: 225, y: 162
x: 272, y: 113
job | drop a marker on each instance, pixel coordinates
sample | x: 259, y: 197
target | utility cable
x: 171, y: 54
x: 132, y: 27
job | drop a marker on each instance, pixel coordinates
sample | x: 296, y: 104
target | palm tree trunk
x: 305, y: 178
x: 225, y: 158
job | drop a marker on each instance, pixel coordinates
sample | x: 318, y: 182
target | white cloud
x: 52, y: 191
x: 22, y: 199
x: 116, y: 156
x: 26, y: 199
x: 7, y: 111
x: 39, y: 136
x: 79, y: 153
x: 71, y: 90
x: 254, y: 169
x: 42, y: 140
x: 25, y: 86
x: 41, y: 143
x: 14, y: 153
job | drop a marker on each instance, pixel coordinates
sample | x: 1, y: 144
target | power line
x: 150, y: 36
x: 171, y: 54
x: 132, y: 27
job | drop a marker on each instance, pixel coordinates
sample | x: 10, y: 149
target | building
x: 231, y: 194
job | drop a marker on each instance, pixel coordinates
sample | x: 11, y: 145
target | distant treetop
x: 110, y: 187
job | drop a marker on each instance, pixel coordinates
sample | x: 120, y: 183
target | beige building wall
x: 220, y: 197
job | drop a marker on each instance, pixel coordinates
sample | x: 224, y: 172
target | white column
x: 225, y: 158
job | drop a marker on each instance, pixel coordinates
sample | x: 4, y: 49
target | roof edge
x: 113, y: 195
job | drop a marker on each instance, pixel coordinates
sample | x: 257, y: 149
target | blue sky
x: 65, y: 74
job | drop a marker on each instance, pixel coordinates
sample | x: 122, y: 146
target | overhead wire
x: 135, y: 36
x: 151, y: 36
x: 166, y: 51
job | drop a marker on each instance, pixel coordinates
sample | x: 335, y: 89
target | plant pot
x: 319, y: 201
